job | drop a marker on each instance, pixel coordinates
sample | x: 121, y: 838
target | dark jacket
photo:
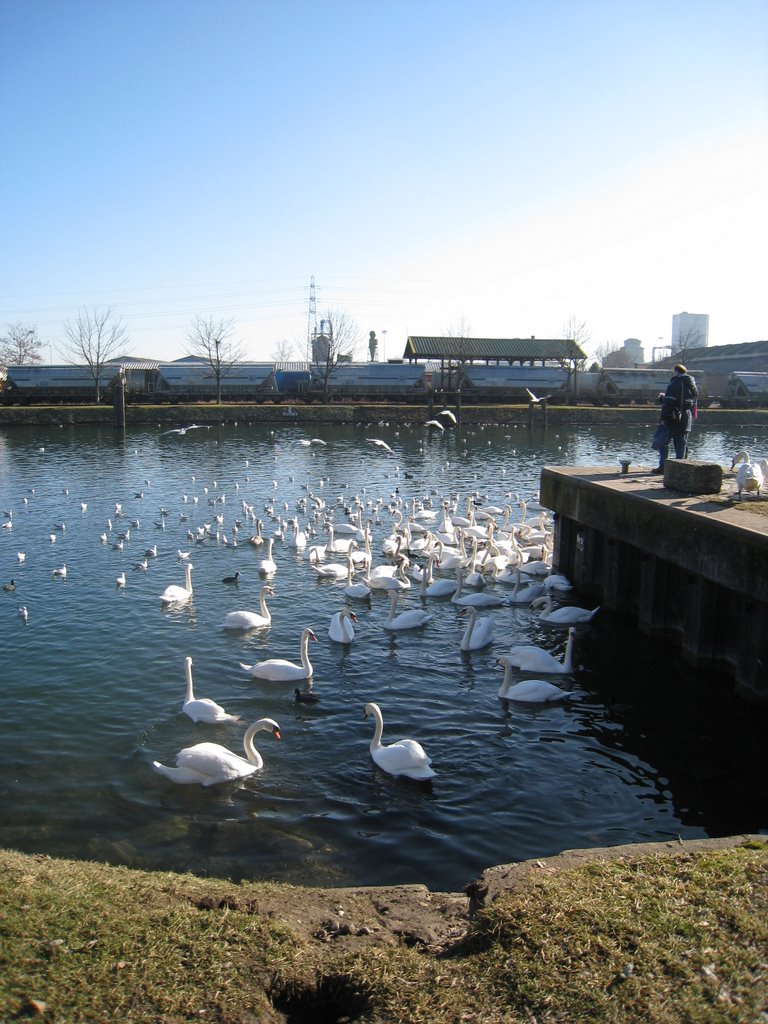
x: 681, y: 394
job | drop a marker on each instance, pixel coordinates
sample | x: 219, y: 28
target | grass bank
x: 659, y: 937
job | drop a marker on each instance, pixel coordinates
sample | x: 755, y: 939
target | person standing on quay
x: 678, y: 410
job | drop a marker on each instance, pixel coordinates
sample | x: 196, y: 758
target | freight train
x: 188, y: 380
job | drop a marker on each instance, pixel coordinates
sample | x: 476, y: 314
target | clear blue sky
x: 503, y: 163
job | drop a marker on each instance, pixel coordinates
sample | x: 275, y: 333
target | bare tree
x: 335, y: 343
x: 610, y: 354
x: 20, y: 345
x: 459, y: 330
x: 213, y: 342
x: 576, y: 330
x: 685, y: 342
x: 94, y: 338
x: 282, y: 351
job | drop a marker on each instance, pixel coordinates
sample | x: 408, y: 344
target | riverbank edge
x: 356, y: 414
x: 316, y: 931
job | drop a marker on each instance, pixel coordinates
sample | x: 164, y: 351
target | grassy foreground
x: 652, y: 938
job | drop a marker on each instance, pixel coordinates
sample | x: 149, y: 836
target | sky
x: 501, y: 168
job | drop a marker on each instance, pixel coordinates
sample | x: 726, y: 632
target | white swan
x: 566, y: 615
x: 473, y: 600
x: 278, y: 670
x: 357, y: 590
x: 413, y: 619
x: 209, y: 763
x: 251, y: 620
x: 341, y: 629
x: 521, y: 594
x: 203, y: 709
x: 267, y: 565
x: 531, y: 691
x: 479, y: 632
x: 749, y: 475
x: 406, y: 757
x: 536, y: 659
x: 328, y: 570
x: 179, y: 595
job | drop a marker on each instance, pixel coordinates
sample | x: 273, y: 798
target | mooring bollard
x: 625, y: 463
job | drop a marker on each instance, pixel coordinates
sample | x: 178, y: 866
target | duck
x: 305, y: 697
x: 405, y: 757
x: 565, y: 615
x: 175, y: 594
x: 202, y: 709
x: 413, y: 619
x: 536, y: 659
x: 529, y: 691
x: 209, y: 764
x: 277, y: 670
x: 251, y: 620
x: 9, y: 587
x: 232, y: 579
x: 341, y: 629
x: 479, y: 632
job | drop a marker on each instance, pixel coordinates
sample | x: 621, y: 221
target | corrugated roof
x: 420, y: 347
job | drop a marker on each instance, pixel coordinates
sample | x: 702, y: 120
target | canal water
x: 645, y: 748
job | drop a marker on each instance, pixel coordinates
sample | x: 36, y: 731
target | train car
x: 750, y: 389
x: 622, y: 386
x: 292, y: 380
x: 194, y: 381
x: 37, y: 383
x: 491, y: 383
x: 372, y: 382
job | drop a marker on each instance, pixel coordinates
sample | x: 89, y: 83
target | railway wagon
x: 490, y: 383
x: 35, y: 383
x: 746, y: 389
x: 380, y: 382
x: 189, y: 381
x: 643, y: 386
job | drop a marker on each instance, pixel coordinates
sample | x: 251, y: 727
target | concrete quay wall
x: 691, y: 569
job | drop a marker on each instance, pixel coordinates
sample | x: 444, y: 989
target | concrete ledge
x: 693, y: 477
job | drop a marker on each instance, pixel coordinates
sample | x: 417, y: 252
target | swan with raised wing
x: 405, y: 757
x: 341, y: 629
x: 208, y: 764
x: 278, y: 670
x: 251, y: 620
x: 175, y: 594
x: 529, y: 691
x: 203, y: 709
x: 535, y: 659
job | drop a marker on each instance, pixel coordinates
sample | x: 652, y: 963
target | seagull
x: 22, y: 612
x: 60, y: 572
x: 449, y: 414
x: 121, y: 580
x: 534, y: 398
x: 381, y: 444
x: 434, y: 423
x: 181, y: 431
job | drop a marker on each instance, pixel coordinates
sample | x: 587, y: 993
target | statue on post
x: 373, y: 345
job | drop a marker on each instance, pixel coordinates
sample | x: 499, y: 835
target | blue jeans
x: 680, y: 441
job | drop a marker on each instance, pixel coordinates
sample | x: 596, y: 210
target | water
x: 93, y: 682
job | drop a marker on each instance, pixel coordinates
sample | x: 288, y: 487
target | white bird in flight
x: 434, y: 423
x: 381, y: 444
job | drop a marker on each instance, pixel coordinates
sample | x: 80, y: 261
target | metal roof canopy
x: 488, y: 350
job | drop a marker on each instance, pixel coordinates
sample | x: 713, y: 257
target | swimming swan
x: 531, y: 691
x: 413, y: 619
x: 536, y: 659
x: 251, y: 620
x: 280, y: 671
x: 406, y: 757
x: 209, y: 763
x: 479, y: 632
x: 203, y: 709
x: 341, y: 629
x: 566, y: 615
x: 179, y: 595
x: 268, y: 565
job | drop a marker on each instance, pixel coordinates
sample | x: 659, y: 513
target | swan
x: 341, y: 629
x: 268, y: 565
x: 406, y: 757
x: 749, y: 475
x: 280, y: 671
x: 536, y: 659
x: 250, y: 620
x: 532, y: 691
x: 328, y: 570
x: 479, y: 632
x: 209, y: 763
x: 179, y: 595
x: 394, y: 582
x: 413, y: 619
x: 356, y: 590
x: 473, y: 600
x: 566, y: 615
x: 203, y: 709
x: 521, y: 595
